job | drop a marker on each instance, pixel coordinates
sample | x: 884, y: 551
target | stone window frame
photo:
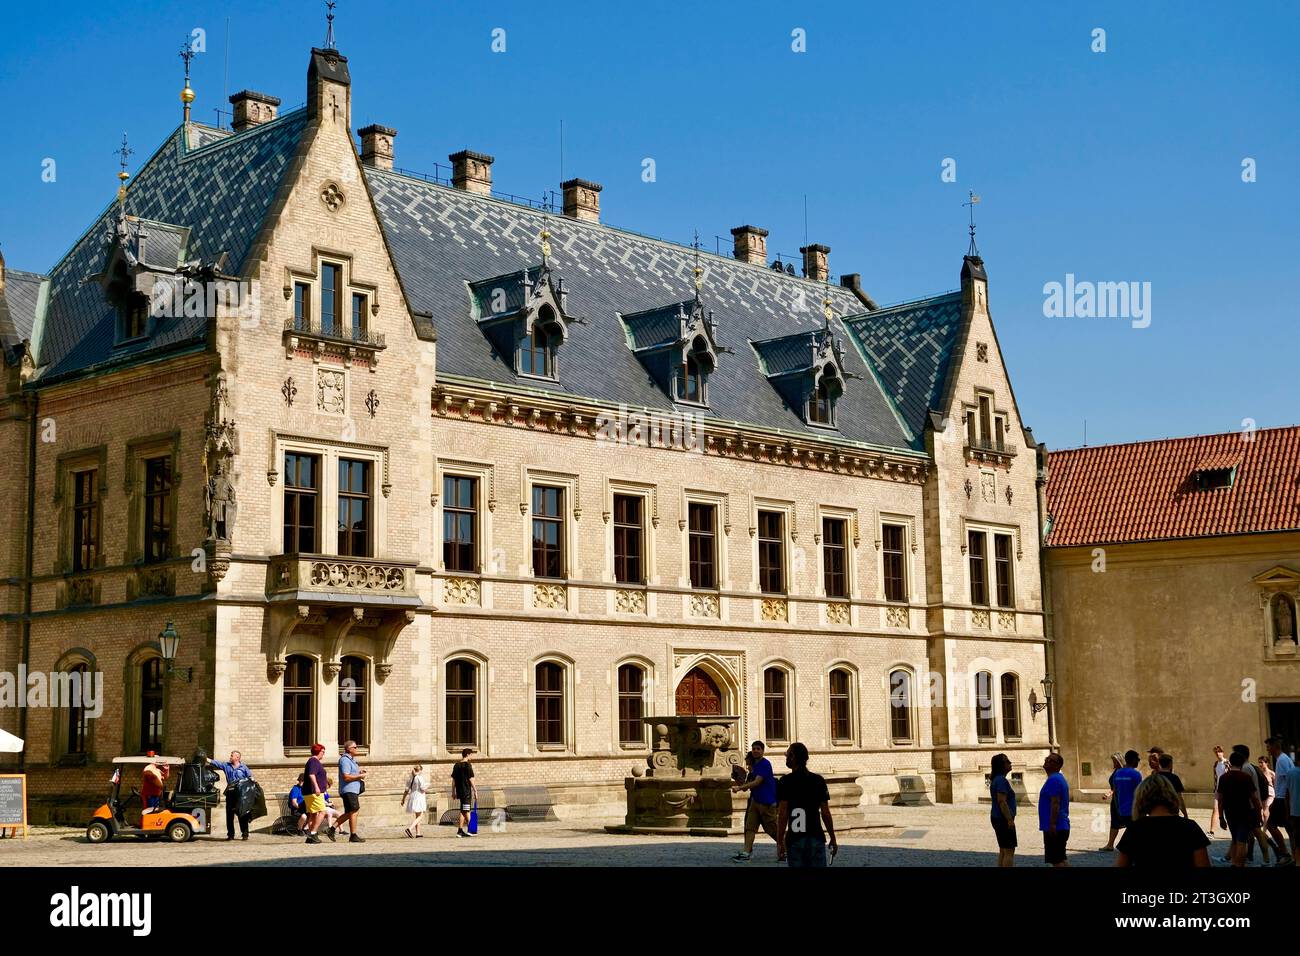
x: 913, y: 741
x: 132, y: 697
x: 329, y: 453
x: 1018, y: 736
x: 721, y: 535
x: 368, y: 692
x: 484, y: 473
x: 990, y: 530
x: 482, y: 684
x: 686, y: 352
x: 66, y: 467
x: 790, y: 534
x: 571, y: 513
x: 568, y: 709
x: 851, y: 569
x: 995, y: 712
x: 791, y: 699
x: 649, y: 495
x: 311, y: 277
x: 72, y: 657
x: 970, y: 420
x: 855, y: 702
x: 319, y: 686
x: 648, y: 698
x: 908, y: 524
x: 138, y: 452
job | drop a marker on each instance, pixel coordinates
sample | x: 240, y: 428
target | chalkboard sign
x: 13, y: 801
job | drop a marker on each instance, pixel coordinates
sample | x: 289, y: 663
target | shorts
x: 313, y: 802
x: 466, y: 803
x: 1277, y: 814
x: 805, y: 850
x: 1120, y: 822
x: 1006, y: 834
x: 761, y: 815
x: 1241, y: 832
x: 1054, y: 846
x: 351, y: 802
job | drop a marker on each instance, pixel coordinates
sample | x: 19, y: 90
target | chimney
x: 853, y: 282
x: 252, y: 108
x: 329, y: 88
x: 472, y: 172
x: 377, y: 146
x: 815, y: 266
x: 582, y: 199
x: 750, y: 244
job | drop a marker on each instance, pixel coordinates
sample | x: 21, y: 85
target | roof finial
x: 187, y: 94
x: 698, y: 269
x: 329, y: 24
x: 828, y: 312
x: 122, y: 175
x: 545, y: 237
x: 972, y: 251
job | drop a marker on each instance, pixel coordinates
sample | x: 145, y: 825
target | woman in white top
x: 414, y: 799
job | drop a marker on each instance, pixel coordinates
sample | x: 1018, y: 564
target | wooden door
x: 697, y: 694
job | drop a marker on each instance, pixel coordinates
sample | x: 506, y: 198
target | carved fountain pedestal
x: 686, y: 788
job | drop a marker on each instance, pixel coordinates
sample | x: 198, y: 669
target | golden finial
x: 545, y: 237
x: 698, y: 270
x: 826, y: 306
x: 187, y: 94
x: 122, y: 175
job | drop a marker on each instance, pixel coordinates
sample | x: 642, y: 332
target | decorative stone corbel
x: 275, y: 670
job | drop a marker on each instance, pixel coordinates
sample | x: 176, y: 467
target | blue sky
x: 1117, y: 166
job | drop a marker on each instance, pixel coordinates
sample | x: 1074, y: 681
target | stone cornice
x: 536, y: 413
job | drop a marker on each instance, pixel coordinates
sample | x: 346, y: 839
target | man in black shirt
x: 803, y: 807
x: 1167, y: 771
x: 462, y: 780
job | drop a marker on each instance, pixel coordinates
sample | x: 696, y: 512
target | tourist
x: 330, y: 821
x: 1293, y: 810
x: 1258, y: 835
x: 1167, y: 771
x: 1241, y: 805
x: 1158, y: 838
x: 1153, y: 760
x: 414, y: 800
x: 1112, y: 798
x: 352, y: 784
x: 466, y: 791
x: 1003, y: 813
x: 235, y: 770
x: 1278, y: 820
x: 1217, y: 820
x: 297, y: 811
x: 153, y: 781
x: 804, y: 806
x: 1124, y: 783
x: 760, y: 783
x: 316, y: 783
x: 1054, y: 811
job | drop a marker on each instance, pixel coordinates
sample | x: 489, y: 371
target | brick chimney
x: 750, y: 244
x: 472, y: 171
x: 252, y: 109
x: 815, y: 265
x: 377, y: 146
x: 582, y: 199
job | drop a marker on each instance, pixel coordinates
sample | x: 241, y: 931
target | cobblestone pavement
x: 939, y: 836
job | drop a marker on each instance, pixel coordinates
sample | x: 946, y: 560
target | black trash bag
x: 197, y: 778
x: 249, y: 799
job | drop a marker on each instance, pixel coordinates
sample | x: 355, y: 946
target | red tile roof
x: 1147, y: 491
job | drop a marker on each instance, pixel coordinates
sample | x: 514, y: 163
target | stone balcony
x: 990, y: 449
x: 325, y: 579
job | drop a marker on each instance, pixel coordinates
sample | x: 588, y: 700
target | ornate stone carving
x: 629, y: 601
x: 154, y: 582
x: 968, y: 488
x: 979, y: 619
x: 837, y: 613
x: 332, y: 196
x: 357, y: 577
x: 81, y: 591
x: 330, y: 670
x: 289, y: 390
x: 775, y: 609
x: 1009, y: 494
x: 981, y: 351
x: 275, y: 670
x: 461, y: 591
x: 550, y: 596
x: 705, y: 605
x: 222, y: 508
x: 382, y: 671
x: 1006, y: 620
x: 218, y: 553
x: 372, y: 403
x: 896, y: 616
x: 331, y: 391
x: 988, y: 488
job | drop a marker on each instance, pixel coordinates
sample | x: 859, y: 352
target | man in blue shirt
x: 235, y: 770
x: 352, y: 782
x: 1124, y: 782
x: 761, y: 811
x: 1279, y: 810
x: 1003, y: 813
x: 1054, y: 811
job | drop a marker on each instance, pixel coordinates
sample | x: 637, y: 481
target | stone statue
x: 1283, y: 619
x: 221, y: 504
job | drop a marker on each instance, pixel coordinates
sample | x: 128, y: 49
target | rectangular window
x: 979, y: 582
x: 299, y: 702
x: 1002, y: 570
x: 986, y: 420
x: 85, y: 519
x: 835, y: 558
x: 628, y: 539
x: 352, y: 701
x: 774, y: 704
x: 550, y: 705
x: 985, y: 722
x: 462, y: 704
x: 157, y: 509
x: 1010, y: 707
x: 893, y: 537
x: 841, y: 706
x: 136, y: 321
x: 631, y: 706
x: 301, y: 504
x: 771, y: 552
x: 999, y: 433
x: 302, y: 306
x: 970, y: 428
x: 703, y: 545
x: 354, y: 508
x: 358, y: 317
x: 548, y: 531
x: 331, y: 298
x: 535, y: 353
x: 460, y: 523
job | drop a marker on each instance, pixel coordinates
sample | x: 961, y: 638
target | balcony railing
x: 990, y: 446
x: 331, y: 575
x: 343, y: 333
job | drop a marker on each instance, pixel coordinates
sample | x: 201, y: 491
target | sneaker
x: 461, y: 833
x: 331, y: 833
x: 469, y: 834
x: 312, y: 838
x: 742, y: 857
x: 356, y: 839
x: 244, y: 837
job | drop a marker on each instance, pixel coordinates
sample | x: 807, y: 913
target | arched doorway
x: 698, y: 695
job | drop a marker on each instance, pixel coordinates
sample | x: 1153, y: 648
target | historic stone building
x: 405, y: 461
x: 1173, y: 572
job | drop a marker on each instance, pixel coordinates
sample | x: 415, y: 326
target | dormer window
x: 134, y: 321
x: 675, y: 344
x: 537, y: 353
x: 807, y: 369
x: 522, y: 314
x: 1208, y: 479
x: 821, y: 404
x: 690, y: 381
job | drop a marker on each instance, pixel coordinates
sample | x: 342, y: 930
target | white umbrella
x: 9, y: 744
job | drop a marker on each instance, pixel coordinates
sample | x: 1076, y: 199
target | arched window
x: 462, y: 704
x: 900, y: 707
x: 151, y: 705
x: 352, y: 682
x: 78, y: 721
x: 841, y: 705
x: 775, y: 704
x: 537, y: 350
x: 985, y: 716
x: 299, y: 701
x: 631, y: 705
x: 1010, y: 707
x: 693, y: 374
x: 821, y: 403
x: 550, y: 704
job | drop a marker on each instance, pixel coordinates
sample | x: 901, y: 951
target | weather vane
x: 122, y: 176
x: 187, y: 94
x: 329, y: 24
x: 972, y: 251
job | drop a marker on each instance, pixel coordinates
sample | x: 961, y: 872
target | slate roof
x: 18, y: 307
x: 786, y: 354
x: 1147, y: 491
x: 442, y: 238
x: 219, y: 189
x: 657, y: 328
x: 910, y: 346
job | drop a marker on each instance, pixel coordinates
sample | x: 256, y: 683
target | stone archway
x: 698, y: 695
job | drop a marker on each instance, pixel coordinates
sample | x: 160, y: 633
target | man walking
x: 1167, y: 771
x: 804, y: 806
x: 462, y: 782
x: 1279, y: 812
x: 760, y: 782
x: 235, y: 770
x: 1261, y: 792
x: 1124, y: 782
x: 1216, y: 811
x: 1054, y: 810
x: 352, y: 783
x: 1241, y: 805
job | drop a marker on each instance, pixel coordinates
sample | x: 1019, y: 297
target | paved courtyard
x: 940, y: 836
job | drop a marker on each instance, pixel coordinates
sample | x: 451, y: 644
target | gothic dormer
x: 523, y: 315
x: 677, y: 345
x: 144, y: 264
x: 807, y: 369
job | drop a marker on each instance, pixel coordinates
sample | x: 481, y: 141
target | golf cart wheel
x: 98, y: 832
x: 179, y: 832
